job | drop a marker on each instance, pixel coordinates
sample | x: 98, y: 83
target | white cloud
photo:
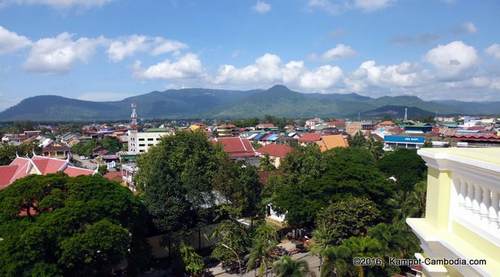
x: 269, y: 69
x: 11, y: 42
x: 59, y: 4
x: 125, y: 47
x: 372, y: 5
x: 120, y: 49
x: 338, y: 52
x: 163, y: 45
x: 369, y: 74
x: 60, y: 53
x: 452, y: 59
x: 339, y: 6
x: 494, y: 50
x: 186, y: 66
x: 324, y: 77
x: 262, y: 7
x: 469, y: 27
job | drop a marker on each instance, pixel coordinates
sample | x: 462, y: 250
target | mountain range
x: 209, y: 103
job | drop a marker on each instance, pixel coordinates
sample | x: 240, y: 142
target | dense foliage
x: 185, y: 176
x: 405, y: 165
x: 86, y: 148
x: 312, y: 180
x: 57, y: 225
x: 8, y: 152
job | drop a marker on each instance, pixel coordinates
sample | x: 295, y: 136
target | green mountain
x: 209, y: 103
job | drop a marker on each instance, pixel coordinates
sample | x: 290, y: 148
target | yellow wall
x: 438, y: 197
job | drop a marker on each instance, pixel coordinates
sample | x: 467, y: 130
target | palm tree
x: 337, y: 261
x: 286, y: 267
x: 322, y: 238
x: 264, y: 241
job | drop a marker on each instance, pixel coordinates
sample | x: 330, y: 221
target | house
x: 308, y: 138
x: 227, y: 130
x: 57, y: 150
x: 39, y: 165
x: 332, y: 141
x: 462, y: 212
x: 276, y: 152
x: 238, y: 149
x: 266, y: 127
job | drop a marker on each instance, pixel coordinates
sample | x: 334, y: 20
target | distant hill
x: 393, y: 111
x: 209, y: 103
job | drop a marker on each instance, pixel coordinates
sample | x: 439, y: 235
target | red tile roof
x: 310, y: 137
x: 275, y: 150
x: 6, y: 174
x: 20, y: 167
x: 73, y: 171
x: 236, y: 147
x: 48, y: 165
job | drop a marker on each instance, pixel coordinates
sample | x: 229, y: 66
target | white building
x: 140, y: 142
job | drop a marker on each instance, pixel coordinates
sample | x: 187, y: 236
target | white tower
x: 132, y: 132
x: 133, y: 117
x: 406, y: 114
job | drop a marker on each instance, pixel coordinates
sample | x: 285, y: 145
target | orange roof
x: 310, y: 137
x: 332, y: 141
x: 73, y: 171
x: 275, y: 150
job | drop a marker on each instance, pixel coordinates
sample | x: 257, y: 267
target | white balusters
x: 468, y: 195
x: 461, y: 191
x: 484, y: 205
x: 478, y: 204
x: 494, y: 212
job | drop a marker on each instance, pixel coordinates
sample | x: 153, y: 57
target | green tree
x: 264, y: 241
x: 286, y: 267
x: 193, y: 262
x: 8, y: 152
x: 302, y: 190
x: 175, y: 179
x: 358, y: 140
x: 58, y: 225
x: 111, y: 144
x: 339, y: 259
x: 405, y: 165
x: 348, y: 217
x: 239, y: 186
x: 265, y: 164
x: 232, y: 243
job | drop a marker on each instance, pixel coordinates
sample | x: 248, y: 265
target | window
x: 141, y: 139
x: 150, y: 144
x: 142, y: 145
x: 150, y: 139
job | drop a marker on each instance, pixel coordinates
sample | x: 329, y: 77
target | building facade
x: 462, y: 215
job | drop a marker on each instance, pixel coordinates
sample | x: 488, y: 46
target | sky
x: 110, y: 49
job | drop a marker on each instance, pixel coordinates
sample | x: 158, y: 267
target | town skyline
x: 80, y: 50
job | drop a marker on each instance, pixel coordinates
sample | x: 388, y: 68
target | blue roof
x: 404, y: 139
x: 259, y: 136
x: 272, y: 137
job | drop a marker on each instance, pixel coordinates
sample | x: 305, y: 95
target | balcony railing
x: 475, y: 204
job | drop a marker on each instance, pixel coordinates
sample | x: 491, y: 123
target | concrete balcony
x: 462, y: 217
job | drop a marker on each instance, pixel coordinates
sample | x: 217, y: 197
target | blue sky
x: 111, y: 49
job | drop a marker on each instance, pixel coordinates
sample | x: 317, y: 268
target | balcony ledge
x: 438, y: 243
